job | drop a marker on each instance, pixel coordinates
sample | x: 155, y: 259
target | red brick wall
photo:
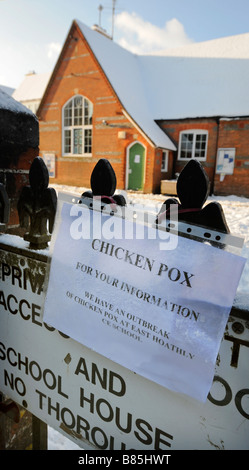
x: 158, y: 174
x: 235, y: 134
x: 232, y: 133
x: 78, y: 72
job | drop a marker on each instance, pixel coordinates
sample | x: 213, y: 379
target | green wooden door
x: 136, y: 167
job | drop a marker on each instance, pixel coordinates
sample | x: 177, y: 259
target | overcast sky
x: 32, y: 32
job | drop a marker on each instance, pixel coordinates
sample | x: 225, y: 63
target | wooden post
x: 2, y: 428
x: 39, y: 434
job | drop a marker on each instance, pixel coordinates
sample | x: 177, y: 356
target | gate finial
x: 103, y: 184
x: 37, y: 206
x: 192, y: 191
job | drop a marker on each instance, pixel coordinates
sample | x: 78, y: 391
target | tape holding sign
x: 159, y: 313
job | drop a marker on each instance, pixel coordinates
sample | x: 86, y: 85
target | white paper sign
x: 161, y: 314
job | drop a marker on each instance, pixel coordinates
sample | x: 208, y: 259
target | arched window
x: 77, y: 126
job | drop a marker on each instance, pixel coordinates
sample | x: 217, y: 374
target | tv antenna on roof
x: 113, y: 16
x: 113, y: 7
x: 100, y: 8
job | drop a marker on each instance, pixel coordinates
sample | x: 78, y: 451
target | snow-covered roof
x: 183, y: 87
x: 7, y: 89
x: 7, y: 102
x: 230, y: 47
x: 123, y: 70
x: 176, y: 86
x: 32, y: 87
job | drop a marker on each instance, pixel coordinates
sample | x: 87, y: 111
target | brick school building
x: 148, y: 115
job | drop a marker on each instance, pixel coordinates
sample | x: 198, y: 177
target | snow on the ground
x: 236, y: 210
x: 56, y: 441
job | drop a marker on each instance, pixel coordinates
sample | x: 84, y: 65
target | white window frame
x: 76, y: 126
x: 165, y: 160
x: 195, y: 133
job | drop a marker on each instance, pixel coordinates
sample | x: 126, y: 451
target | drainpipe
x: 216, y: 153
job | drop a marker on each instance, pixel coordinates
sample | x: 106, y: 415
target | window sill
x: 192, y: 158
x: 85, y: 155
